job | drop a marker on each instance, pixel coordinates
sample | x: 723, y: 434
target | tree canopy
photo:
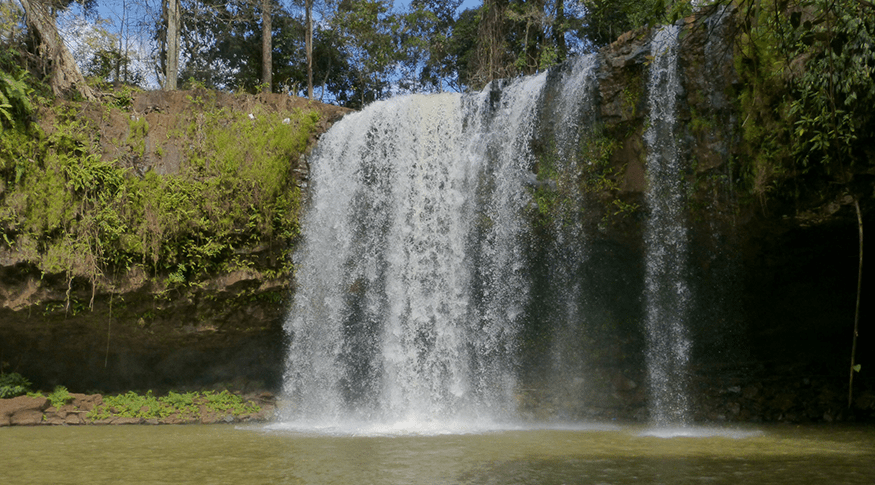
x: 352, y: 52
x: 360, y: 50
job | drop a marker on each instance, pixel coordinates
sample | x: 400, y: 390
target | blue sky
x: 111, y: 12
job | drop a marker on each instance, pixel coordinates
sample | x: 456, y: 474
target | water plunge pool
x: 584, y: 454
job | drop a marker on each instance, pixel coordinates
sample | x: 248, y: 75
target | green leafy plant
x: 233, y: 191
x: 60, y: 396
x: 186, y: 405
x: 13, y: 384
x: 807, y: 67
x: 226, y: 402
x: 130, y: 405
x: 139, y: 128
x: 15, y: 105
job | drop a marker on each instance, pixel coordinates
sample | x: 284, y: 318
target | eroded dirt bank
x: 140, y: 325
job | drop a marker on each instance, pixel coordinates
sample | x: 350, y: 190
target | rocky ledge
x: 91, y: 409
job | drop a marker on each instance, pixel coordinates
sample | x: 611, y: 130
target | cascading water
x: 410, y: 281
x: 566, y: 254
x: 666, y: 293
x: 420, y: 278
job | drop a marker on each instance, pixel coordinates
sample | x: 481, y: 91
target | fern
x: 15, y: 105
x: 12, y: 385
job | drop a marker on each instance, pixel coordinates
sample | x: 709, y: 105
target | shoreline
x: 97, y: 409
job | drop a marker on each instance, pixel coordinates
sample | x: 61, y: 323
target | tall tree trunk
x: 854, y: 367
x: 171, y: 66
x: 308, y: 46
x: 65, y: 75
x: 266, y: 47
x: 121, y: 47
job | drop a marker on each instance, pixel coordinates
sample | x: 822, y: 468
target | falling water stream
x: 667, y: 293
x: 410, y: 279
x: 414, y: 278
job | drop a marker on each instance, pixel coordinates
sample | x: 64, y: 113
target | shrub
x: 12, y: 385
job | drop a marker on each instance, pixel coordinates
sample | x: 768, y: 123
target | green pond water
x: 574, y: 455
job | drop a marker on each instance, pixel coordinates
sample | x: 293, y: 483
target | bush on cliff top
x: 67, y: 208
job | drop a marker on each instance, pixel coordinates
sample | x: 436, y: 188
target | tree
x: 220, y: 44
x: 424, y: 37
x: 521, y: 37
x: 365, y: 35
x: 223, y: 46
x: 266, y: 47
x: 134, y: 21
x: 832, y: 95
x: 331, y: 67
x: 491, y: 59
x: 806, y: 69
x: 65, y: 74
x: 102, y: 54
x: 308, y: 45
x: 462, y: 47
x: 11, y: 19
x: 172, y: 19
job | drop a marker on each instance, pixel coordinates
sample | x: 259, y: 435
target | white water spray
x: 410, y: 284
x: 567, y: 253
x: 666, y: 293
x: 413, y: 280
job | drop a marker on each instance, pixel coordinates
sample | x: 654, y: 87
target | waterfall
x: 667, y: 296
x: 410, y: 278
x: 447, y: 238
x: 566, y: 255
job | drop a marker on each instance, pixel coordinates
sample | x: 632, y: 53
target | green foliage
x: 758, y: 62
x: 60, y: 396
x: 362, y: 48
x: 139, y: 128
x: 518, y: 37
x: 807, y: 70
x: 130, y: 405
x: 69, y: 210
x: 596, y: 151
x: 227, y: 403
x: 234, y: 192
x: 461, y: 47
x: 365, y: 34
x: 190, y: 405
x: 607, y: 19
x: 15, y: 105
x: 601, y: 176
x: 833, y: 96
x: 11, y: 20
x: 13, y: 384
x: 565, y: 184
x: 426, y: 60
x: 64, y: 200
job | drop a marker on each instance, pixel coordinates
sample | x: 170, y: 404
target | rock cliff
x: 776, y: 274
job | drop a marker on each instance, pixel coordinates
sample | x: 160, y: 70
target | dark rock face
x: 774, y: 280
x: 228, y: 333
